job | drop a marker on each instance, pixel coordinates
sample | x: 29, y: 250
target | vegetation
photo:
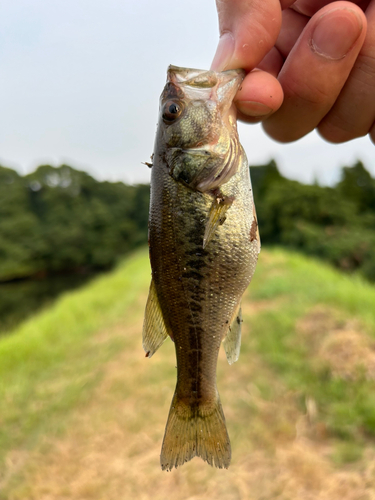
x: 83, y: 411
x: 60, y: 219
x: 51, y: 364
x: 333, y: 223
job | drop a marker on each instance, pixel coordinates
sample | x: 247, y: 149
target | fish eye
x: 171, y: 111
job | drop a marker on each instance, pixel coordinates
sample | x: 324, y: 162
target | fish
x: 204, y: 245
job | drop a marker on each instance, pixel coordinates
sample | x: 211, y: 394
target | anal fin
x: 154, y: 329
x: 232, y: 341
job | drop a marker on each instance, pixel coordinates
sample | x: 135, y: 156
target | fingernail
x: 335, y: 34
x: 224, y: 52
x: 252, y: 108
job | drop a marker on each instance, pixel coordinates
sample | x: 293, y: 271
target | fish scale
x: 202, y: 255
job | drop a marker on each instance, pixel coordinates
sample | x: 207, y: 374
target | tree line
x: 62, y: 220
x: 336, y: 223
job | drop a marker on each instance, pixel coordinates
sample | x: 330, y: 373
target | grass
x: 346, y: 403
x: 50, y: 364
x: 83, y: 412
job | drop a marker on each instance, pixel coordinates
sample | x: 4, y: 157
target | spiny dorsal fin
x: 154, y: 329
x: 216, y: 216
x: 232, y: 341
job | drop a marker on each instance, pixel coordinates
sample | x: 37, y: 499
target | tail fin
x: 195, y: 431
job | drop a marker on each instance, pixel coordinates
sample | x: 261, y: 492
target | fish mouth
x: 196, y: 84
x: 202, y: 78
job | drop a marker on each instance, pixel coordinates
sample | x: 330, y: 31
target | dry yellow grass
x: 282, y: 450
x: 343, y: 345
x: 111, y: 449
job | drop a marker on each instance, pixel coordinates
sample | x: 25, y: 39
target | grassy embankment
x: 82, y: 412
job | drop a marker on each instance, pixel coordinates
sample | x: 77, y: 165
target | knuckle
x: 279, y: 129
x: 339, y: 132
x: 305, y: 92
x: 366, y: 66
x: 362, y: 77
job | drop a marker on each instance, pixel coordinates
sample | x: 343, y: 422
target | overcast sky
x: 80, y: 82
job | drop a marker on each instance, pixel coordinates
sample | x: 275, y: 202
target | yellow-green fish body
x: 204, y: 246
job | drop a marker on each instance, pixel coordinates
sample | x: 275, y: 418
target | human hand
x: 315, y: 65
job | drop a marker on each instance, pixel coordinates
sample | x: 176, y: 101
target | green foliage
x: 59, y: 219
x: 333, y: 223
x: 358, y: 186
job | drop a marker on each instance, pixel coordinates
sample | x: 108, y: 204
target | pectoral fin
x: 154, y: 329
x: 216, y: 217
x: 232, y: 341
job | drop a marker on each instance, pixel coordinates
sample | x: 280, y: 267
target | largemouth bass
x: 204, y: 246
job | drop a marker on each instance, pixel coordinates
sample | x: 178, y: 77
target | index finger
x: 248, y: 30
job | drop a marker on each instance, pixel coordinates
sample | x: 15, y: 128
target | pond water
x: 21, y: 299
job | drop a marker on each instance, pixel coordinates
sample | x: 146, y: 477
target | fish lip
x: 201, y: 77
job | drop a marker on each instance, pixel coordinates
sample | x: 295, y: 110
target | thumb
x: 248, y: 29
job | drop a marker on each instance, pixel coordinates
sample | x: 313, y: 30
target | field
x: 82, y: 411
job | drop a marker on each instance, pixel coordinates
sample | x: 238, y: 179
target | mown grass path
x: 83, y: 411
